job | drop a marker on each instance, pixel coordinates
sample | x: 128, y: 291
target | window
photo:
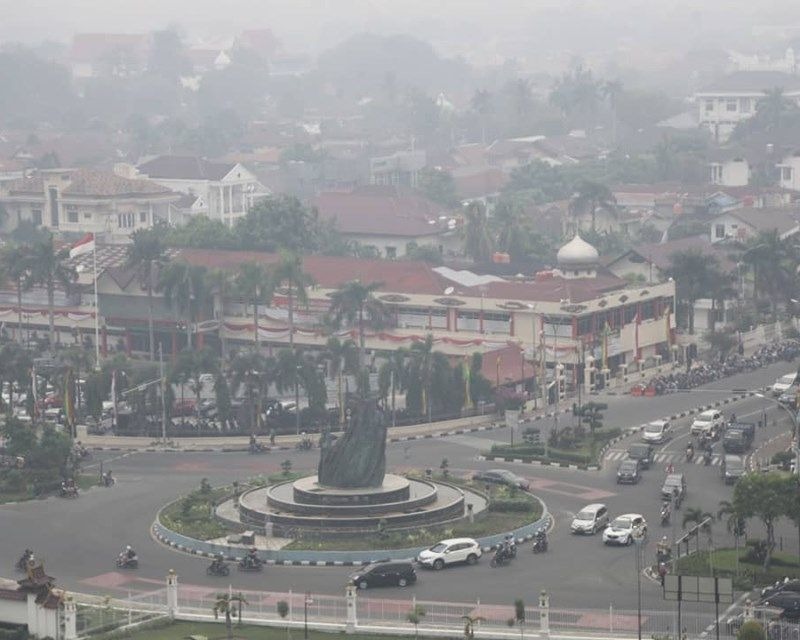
x: 786, y: 174
x: 469, y: 321
x: 719, y: 230
x: 730, y: 105
x: 497, y: 322
x: 391, y: 252
x: 143, y: 217
x: 36, y: 216
x: 584, y: 325
x: 72, y: 216
x: 125, y: 220
x: 709, y: 105
x: 648, y: 310
x: 87, y: 215
x: 630, y: 313
x: 745, y: 105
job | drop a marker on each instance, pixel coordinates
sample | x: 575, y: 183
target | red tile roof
x: 381, y: 212
x: 88, y: 182
x: 475, y: 184
x: 185, y: 168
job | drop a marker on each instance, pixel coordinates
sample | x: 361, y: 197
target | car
x: 784, y: 383
x: 781, y: 585
x: 789, y: 398
x: 732, y: 468
x: 628, y: 472
x: 625, y: 529
x: 502, y: 476
x: 590, y: 519
x: 642, y: 453
x: 453, y: 551
x: 390, y: 573
x: 657, y: 432
x: 674, y: 488
x: 782, y: 600
x: 709, y: 423
x: 737, y: 439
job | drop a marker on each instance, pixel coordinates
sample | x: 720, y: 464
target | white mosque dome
x: 577, y: 252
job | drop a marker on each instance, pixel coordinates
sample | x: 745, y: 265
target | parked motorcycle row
x: 703, y: 373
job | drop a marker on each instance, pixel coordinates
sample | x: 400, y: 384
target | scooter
x: 689, y: 454
x: 218, y: 569
x: 707, y: 456
x: 540, y: 542
x: 502, y: 555
x: 124, y: 562
x: 666, y: 513
x: 69, y: 492
x: 255, y: 564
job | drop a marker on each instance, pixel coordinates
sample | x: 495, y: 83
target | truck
x: 739, y: 437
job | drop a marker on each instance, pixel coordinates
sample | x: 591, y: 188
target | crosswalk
x: 664, y: 458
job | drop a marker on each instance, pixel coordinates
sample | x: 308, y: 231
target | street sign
x: 698, y: 589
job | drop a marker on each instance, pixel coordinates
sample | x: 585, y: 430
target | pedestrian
x: 272, y: 437
x: 670, y: 468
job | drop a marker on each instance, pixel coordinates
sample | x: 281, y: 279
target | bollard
x: 544, y: 613
x: 352, y: 618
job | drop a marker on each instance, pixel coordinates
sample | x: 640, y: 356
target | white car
x: 625, y: 529
x: 709, y: 422
x: 657, y: 431
x: 784, y: 383
x: 453, y: 551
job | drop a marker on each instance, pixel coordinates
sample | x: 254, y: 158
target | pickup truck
x: 738, y: 437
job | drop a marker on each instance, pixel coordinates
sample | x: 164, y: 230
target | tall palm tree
x: 394, y: 375
x: 735, y: 523
x: 289, y: 276
x: 592, y: 197
x: 477, y: 239
x: 220, y: 281
x: 229, y: 606
x: 146, y: 255
x: 506, y: 220
x: 15, y: 264
x: 421, y: 367
x: 48, y: 268
x: 342, y: 357
x: 253, y: 284
x: 185, y: 289
x: 697, y: 516
x: 355, y: 304
x: 15, y: 368
x: 247, y: 370
x: 772, y: 261
x: 692, y: 271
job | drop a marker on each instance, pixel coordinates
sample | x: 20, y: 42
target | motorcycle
x: 304, y: 445
x: 125, y: 562
x: 68, y: 491
x: 250, y: 564
x: 707, y: 456
x: 107, y: 480
x: 540, y: 542
x: 503, y: 555
x: 218, y: 568
x: 256, y: 448
x: 689, y: 454
x: 666, y: 512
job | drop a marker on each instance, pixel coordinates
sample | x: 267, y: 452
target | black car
x: 393, y: 573
x: 789, y: 600
x: 780, y: 586
x: 738, y: 437
x: 628, y: 472
x: 643, y: 453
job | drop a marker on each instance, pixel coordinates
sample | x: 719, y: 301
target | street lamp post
x: 306, y: 601
x: 638, y: 544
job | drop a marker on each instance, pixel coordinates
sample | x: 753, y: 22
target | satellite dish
x: 448, y: 291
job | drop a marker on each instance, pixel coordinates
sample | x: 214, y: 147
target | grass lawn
x: 84, y: 481
x: 216, y: 631
x: 751, y: 574
x: 193, y: 515
x: 584, y: 452
x: 517, y: 508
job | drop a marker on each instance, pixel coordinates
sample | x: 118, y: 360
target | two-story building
x: 746, y: 222
x: 85, y: 200
x: 227, y: 189
x: 730, y: 100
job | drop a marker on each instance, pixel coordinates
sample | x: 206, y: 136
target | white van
x: 784, y: 383
x: 591, y: 519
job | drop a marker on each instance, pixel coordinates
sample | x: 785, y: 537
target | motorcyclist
x: 689, y: 451
x: 666, y: 510
x: 252, y: 559
x: 129, y: 555
x: 218, y: 562
x: 509, y: 545
x: 108, y: 479
x: 540, y: 540
x: 708, y: 454
x: 662, y: 549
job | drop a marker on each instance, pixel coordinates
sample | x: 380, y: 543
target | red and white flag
x: 83, y: 246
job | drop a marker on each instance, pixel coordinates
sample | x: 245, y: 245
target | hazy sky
x: 312, y: 24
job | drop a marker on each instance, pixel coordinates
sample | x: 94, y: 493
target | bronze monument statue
x: 358, y: 458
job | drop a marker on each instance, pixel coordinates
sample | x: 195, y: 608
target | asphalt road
x: 79, y: 539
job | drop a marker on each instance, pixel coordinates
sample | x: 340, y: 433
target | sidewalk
x: 240, y: 443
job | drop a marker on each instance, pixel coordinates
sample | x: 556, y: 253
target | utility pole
x: 163, y: 394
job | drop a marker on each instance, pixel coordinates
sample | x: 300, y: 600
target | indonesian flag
x: 83, y: 246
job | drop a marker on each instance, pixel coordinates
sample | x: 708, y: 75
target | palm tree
x: 421, y: 367
x: 692, y: 271
x: 393, y: 375
x: 469, y: 625
x: 342, y: 357
x: 771, y: 259
x: 592, y: 197
x: 507, y: 222
x: 247, y: 370
x: 229, y: 605
x: 48, y: 268
x: 697, y: 516
x: 355, y: 304
x: 735, y: 523
x: 15, y: 264
x: 415, y: 616
x: 185, y: 289
x: 15, y: 368
x: 772, y: 109
x: 146, y: 255
x: 253, y: 284
x: 477, y: 239
x: 289, y: 276
x: 219, y: 283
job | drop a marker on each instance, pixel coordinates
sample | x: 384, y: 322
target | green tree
x: 477, y: 238
x: 186, y: 291
x: 289, y: 278
x: 342, y: 357
x: 773, y: 263
x: 692, y: 271
x: 392, y: 376
x: 253, y: 283
x: 415, y: 616
x: 355, y: 304
x: 469, y: 625
x: 48, y: 268
x: 229, y: 606
x: 246, y: 371
x: 222, y: 395
x: 696, y: 516
x: 220, y: 283
x: 592, y: 197
x: 438, y: 186
x: 421, y: 368
x: 735, y: 524
x: 720, y: 343
x: 16, y: 265
x: 764, y: 496
x: 751, y: 630
x: 147, y: 256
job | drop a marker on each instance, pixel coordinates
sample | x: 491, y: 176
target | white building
x: 732, y: 99
x: 789, y: 171
x: 226, y: 189
x: 744, y: 223
x: 729, y: 172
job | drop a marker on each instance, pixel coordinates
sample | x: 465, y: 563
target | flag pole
x: 96, y: 307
